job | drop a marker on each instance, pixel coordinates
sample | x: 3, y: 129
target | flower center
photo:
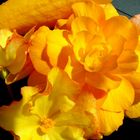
x: 45, y: 124
x: 95, y: 58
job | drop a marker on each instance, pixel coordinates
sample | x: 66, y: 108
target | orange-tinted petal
x: 83, y: 24
x: 55, y: 43
x: 125, y: 28
x: 38, y: 45
x: 127, y: 61
x: 119, y: 98
x: 134, y: 111
x: 57, y: 77
x: 110, y: 11
x: 134, y: 79
x: 24, y: 72
x: 89, y: 9
x: 37, y: 80
x: 110, y: 121
x: 13, y: 56
x: 103, y: 1
x: 26, y: 14
x: 80, y: 45
x: 101, y: 81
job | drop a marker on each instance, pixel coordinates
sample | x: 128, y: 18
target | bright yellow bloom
x: 99, y: 51
x: 50, y: 116
x: 103, y: 53
x: 97, y: 55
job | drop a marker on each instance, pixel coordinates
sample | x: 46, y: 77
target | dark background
x: 130, y: 130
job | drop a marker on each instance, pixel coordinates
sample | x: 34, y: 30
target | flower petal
x: 5, y: 34
x: 89, y: 9
x: 133, y: 111
x: 66, y: 132
x: 55, y: 43
x: 38, y: 45
x: 26, y: 14
x: 57, y: 78
x: 37, y: 80
x: 101, y: 81
x: 103, y: 1
x: 125, y: 28
x: 119, y: 98
x: 110, y: 11
x: 110, y: 121
x: 80, y: 24
x: 15, y: 118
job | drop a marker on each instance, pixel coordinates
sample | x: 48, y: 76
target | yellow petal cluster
x: 83, y: 74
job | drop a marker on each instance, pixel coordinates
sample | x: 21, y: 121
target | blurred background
x: 128, y: 8
x: 130, y: 129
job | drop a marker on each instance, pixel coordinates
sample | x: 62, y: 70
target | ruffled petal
x: 133, y: 111
x: 55, y: 43
x: 104, y: 82
x: 110, y: 121
x: 80, y: 24
x: 38, y: 45
x: 15, y: 117
x: 125, y: 28
x: 119, y: 98
x: 66, y: 132
x: 89, y: 9
x: 110, y: 11
x: 57, y: 78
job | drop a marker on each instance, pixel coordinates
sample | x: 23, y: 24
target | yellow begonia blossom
x: 105, y: 54
x: 26, y: 14
x: 50, y: 115
x: 98, y: 56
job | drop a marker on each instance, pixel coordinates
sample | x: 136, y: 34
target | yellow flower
x: 97, y: 55
x: 50, y: 116
x: 103, y: 53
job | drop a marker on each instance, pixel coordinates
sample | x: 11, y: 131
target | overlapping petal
x: 83, y: 74
x: 26, y: 14
x: 46, y: 47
